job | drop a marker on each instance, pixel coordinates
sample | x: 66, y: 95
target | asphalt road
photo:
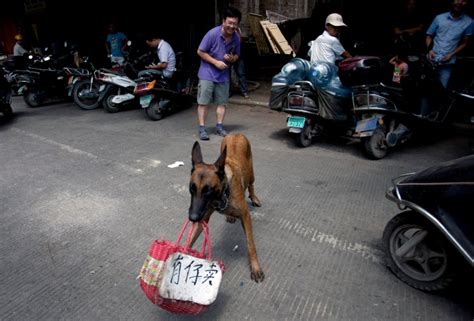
x: 83, y: 193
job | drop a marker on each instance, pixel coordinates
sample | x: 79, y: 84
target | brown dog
x: 221, y: 187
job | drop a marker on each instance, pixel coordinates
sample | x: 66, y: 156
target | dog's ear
x: 196, y: 154
x: 220, y: 163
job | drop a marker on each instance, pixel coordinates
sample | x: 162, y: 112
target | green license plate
x: 145, y: 100
x: 296, y: 122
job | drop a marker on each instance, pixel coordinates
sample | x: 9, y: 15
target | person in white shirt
x: 166, y: 56
x: 18, y: 49
x: 327, y: 46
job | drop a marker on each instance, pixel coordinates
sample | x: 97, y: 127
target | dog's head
x: 206, y: 184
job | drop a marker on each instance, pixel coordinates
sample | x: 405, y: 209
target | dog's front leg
x: 256, y: 272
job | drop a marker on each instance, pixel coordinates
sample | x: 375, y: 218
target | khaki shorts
x: 211, y: 92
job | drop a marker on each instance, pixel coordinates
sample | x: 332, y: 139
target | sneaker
x: 221, y: 131
x: 203, y: 135
x: 245, y: 95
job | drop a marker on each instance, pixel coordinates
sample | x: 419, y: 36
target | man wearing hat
x: 18, y: 49
x: 327, y: 46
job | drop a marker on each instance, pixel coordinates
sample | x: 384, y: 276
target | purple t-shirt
x: 214, y: 44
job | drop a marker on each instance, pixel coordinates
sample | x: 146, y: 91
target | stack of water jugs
x: 321, y: 74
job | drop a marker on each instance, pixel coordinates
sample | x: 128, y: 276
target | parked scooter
x: 392, y: 113
x: 6, y: 112
x: 315, y: 99
x: 39, y: 85
x: 363, y: 104
x: 105, y: 83
x: 157, y: 97
x: 15, y: 67
x: 123, y: 91
x: 89, y: 93
x: 50, y: 77
x: 162, y: 96
x: 431, y: 243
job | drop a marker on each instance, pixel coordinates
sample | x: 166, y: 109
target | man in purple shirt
x: 219, y: 48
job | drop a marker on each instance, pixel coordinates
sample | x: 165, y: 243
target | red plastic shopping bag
x: 184, y: 269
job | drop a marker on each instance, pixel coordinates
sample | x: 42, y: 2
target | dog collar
x: 222, y: 204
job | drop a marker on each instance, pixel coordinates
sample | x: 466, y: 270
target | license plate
x: 365, y: 125
x: 145, y: 101
x: 295, y: 121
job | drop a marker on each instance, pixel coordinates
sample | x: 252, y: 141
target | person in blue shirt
x: 448, y: 34
x: 116, y: 43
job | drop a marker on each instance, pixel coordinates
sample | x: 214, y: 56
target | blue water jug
x: 321, y: 73
x: 296, y: 69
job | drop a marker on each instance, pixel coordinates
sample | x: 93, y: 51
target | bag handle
x: 180, y: 235
x: 206, y: 242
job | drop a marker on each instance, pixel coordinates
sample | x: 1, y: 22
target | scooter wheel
x: 154, y: 111
x: 32, y: 98
x: 418, y: 254
x: 82, y: 88
x: 6, y: 113
x: 375, y: 145
x: 304, y: 139
x: 109, y: 106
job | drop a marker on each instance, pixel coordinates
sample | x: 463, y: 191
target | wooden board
x: 258, y: 34
x: 273, y: 45
x: 278, y: 39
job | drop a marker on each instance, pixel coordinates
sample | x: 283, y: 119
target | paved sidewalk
x: 259, y: 94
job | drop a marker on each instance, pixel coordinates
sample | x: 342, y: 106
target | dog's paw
x: 255, y: 201
x: 257, y: 276
x: 230, y: 219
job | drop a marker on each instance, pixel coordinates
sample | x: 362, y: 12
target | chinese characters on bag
x: 191, y: 272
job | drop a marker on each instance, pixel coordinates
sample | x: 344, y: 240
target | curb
x: 255, y: 90
x: 247, y: 102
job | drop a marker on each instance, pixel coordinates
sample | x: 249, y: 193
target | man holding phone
x: 219, y: 48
